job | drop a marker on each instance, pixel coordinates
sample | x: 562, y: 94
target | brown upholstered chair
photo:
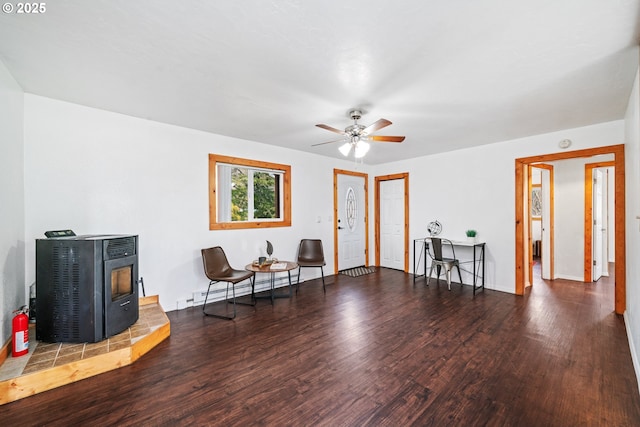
x: 310, y: 254
x: 217, y: 269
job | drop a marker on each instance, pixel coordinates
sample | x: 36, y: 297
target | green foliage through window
x: 254, y: 190
x: 265, y: 192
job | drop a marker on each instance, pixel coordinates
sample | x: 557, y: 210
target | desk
x: 478, y: 259
x: 286, y: 266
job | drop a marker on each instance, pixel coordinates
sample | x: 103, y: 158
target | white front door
x: 392, y: 224
x: 596, y: 234
x: 351, y: 221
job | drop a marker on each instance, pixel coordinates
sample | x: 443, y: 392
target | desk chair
x: 217, y: 269
x: 310, y: 254
x: 434, y: 250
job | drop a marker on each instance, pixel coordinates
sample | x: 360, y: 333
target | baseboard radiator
x: 217, y: 293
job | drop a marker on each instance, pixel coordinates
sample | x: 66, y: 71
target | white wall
x: 475, y: 188
x: 632, y: 189
x: 98, y: 172
x: 569, y: 219
x: 12, y: 226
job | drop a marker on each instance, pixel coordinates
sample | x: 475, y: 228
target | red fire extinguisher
x: 20, y: 332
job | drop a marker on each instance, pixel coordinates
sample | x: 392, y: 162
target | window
x: 247, y: 193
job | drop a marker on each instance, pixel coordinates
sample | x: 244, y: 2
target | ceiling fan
x: 356, y: 135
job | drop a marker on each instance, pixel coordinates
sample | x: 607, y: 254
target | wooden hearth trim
x: 29, y: 384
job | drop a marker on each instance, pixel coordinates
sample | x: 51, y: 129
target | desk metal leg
x: 483, y: 269
x: 273, y: 285
x: 418, y: 256
x: 415, y: 255
x: 475, y: 272
x: 272, y: 294
x: 481, y: 266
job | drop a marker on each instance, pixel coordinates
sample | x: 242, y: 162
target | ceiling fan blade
x: 329, y: 142
x: 331, y: 129
x: 381, y: 138
x: 382, y: 123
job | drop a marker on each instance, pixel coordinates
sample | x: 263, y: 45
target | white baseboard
x: 567, y: 277
x: 632, y: 348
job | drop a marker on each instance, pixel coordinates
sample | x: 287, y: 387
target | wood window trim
x: 214, y: 159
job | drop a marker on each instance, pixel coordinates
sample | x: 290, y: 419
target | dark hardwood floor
x: 375, y: 350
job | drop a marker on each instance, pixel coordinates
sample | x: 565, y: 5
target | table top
x: 280, y: 265
x: 457, y: 242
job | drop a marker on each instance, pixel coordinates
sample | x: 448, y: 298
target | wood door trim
x: 588, y: 216
x: 337, y: 172
x: 378, y: 179
x: 552, y: 204
x: 620, y: 247
x: 529, y: 232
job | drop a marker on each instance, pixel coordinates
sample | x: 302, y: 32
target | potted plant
x: 471, y: 235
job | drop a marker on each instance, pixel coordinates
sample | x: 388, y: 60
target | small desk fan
x: 434, y: 228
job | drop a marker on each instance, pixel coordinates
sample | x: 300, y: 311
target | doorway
x: 521, y: 204
x: 392, y: 221
x: 351, y: 219
x: 541, y: 220
x: 596, y: 223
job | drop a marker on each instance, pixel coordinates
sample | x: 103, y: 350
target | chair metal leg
x: 220, y: 316
x: 430, y: 273
x: 321, y: 273
x: 448, y: 274
x: 252, y: 301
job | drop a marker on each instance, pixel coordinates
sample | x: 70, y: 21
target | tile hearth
x: 51, y: 365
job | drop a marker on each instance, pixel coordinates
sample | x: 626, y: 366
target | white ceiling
x: 449, y: 74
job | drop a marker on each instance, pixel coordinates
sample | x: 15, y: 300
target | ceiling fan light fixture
x: 357, y: 135
x: 361, y: 149
x: 345, y: 149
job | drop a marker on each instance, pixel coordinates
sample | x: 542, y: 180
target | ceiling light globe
x: 361, y: 149
x: 345, y: 148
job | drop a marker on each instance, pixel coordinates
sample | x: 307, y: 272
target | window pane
x: 265, y: 191
x: 239, y: 196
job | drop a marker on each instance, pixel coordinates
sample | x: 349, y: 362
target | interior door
x: 598, y: 227
x: 547, y: 223
x: 351, y: 221
x: 392, y: 224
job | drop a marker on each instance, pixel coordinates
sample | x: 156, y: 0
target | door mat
x: 358, y: 271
